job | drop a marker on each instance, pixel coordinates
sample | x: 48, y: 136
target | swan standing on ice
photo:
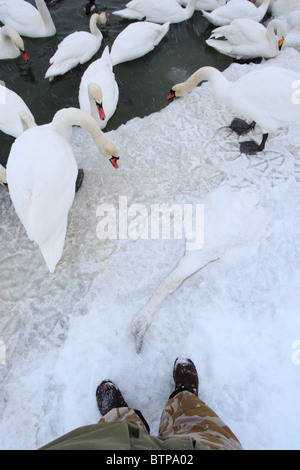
x: 237, y: 9
x: 137, y: 40
x: 98, y: 90
x: 11, y: 44
x: 42, y: 174
x: 77, y: 48
x: 232, y: 220
x: 263, y: 96
x: 27, y: 20
x: 11, y: 106
x: 157, y: 11
x: 248, y: 39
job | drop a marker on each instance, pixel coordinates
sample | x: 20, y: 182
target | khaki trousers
x: 184, y: 415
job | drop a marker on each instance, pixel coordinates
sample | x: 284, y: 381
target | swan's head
x: 107, y: 148
x: 177, y: 91
x: 102, y: 18
x: 16, y: 39
x: 95, y: 91
x: 3, y: 180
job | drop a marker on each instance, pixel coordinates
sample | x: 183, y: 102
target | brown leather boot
x: 185, y: 376
x: 108, y: 396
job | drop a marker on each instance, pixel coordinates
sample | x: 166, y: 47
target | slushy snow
x: 237, y: 318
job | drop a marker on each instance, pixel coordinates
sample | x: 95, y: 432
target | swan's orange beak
x: 171, y: 95
x: 114, y: 161
x: 280, y: 43
x: 100, y: 111
x: 25, y: 56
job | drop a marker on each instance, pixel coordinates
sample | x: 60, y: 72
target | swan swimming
x: 40, y: 160
x: 263, y: 96
x: 248, y: 39
x: 207, y: 5
x: 11, y: 44
x: 77, y: 48
x: 237, y: 9
x: 98, y: 90
x: 11, y: 105
x: 157, y: 11
x: 137, y: 40
x: 27, y: 20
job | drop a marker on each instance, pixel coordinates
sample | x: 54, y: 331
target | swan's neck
x: 210, y: 74
x: 93, y: 100
x: 265, y: 5
x: 190, y: 8
x: 44, y: 12
x: 95, y: 18
x: 65, y: 119
x: 10, y: 33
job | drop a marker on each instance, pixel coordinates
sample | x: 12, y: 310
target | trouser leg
x: 129, y: 414
x: 186, y: 414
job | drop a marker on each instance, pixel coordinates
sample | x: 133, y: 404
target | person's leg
x: 186, y: 414
x: 113, y: 407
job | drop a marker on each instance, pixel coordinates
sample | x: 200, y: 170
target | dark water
x: 144, y: 83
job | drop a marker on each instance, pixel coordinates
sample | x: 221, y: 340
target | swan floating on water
x: 42, y: 174
x: 98, y: 90
x: 11, y: 106
x: 207, y: 5
x: 11, y: 44
x: 26, y: 19
x: 157, y: 11
x: 77, y: 48
x: 137, y: 40
x: 233, y: 220
x: 248, y: 39
x: 263, y: 96
x: 237, y: 9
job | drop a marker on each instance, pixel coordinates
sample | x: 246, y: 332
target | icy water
x: 143, y: 83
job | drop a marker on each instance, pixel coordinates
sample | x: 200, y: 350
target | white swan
x: 11, y: 44
x: 237, y: 9
x: 41, y: 175
x: 11, y: 105
x: 284, y: 7
x: 263, y: 96
x: 157, y: 11
x: 27, y: 20
x: 77, y: 48
x: 137, y: 40
x: 233, y: 220
x: 293, y: 37
x: 3, y: 179
x: 98, y: 90
x: 247, y: 39
x: 207, y: 5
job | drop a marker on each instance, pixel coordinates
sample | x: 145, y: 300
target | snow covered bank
x: 237, y: 318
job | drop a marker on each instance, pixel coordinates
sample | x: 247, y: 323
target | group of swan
x: 237, y: 9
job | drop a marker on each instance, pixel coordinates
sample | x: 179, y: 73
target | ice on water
x: 237, y: 318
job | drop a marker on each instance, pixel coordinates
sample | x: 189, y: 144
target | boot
x: 108, y: 396
x: 185, y: 376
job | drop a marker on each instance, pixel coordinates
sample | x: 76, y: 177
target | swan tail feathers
x: 128, y: 14
x: 53, y: 247
x: 162, y: 31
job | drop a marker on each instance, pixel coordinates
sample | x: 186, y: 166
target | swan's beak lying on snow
x: 25, y: 56
x: 172, y: 95
x: 101, y: 111
x: 114, y: 161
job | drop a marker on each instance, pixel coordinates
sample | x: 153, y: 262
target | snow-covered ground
x: 237, y: 318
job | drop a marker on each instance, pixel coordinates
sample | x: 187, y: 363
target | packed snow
x: 237, y: 318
